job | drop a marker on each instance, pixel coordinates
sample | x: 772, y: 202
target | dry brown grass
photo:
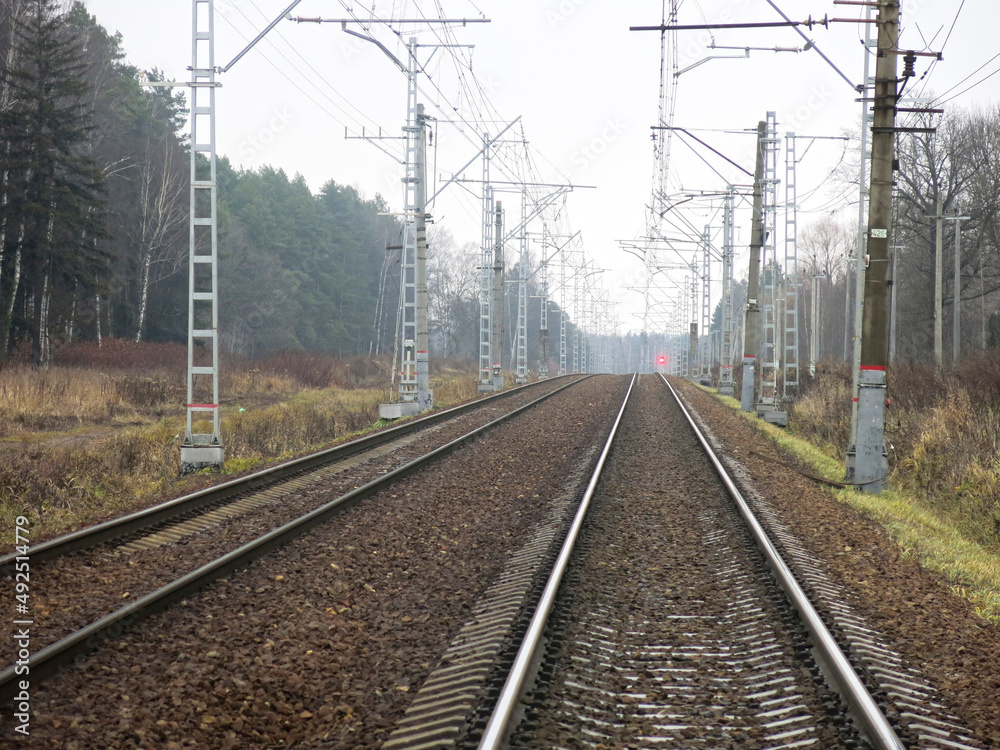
x: 942, y: 436
x: 102, y: 434
x: 62, y: 398
x: 59, y: 483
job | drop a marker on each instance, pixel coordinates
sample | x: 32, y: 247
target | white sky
x: 585, y: 86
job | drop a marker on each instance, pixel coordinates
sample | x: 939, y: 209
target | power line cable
x: 340, y: 119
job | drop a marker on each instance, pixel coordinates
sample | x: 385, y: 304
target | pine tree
x: 53, y: 186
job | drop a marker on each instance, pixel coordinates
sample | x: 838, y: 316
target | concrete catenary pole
x: 816, y: 323
x: 854, y: 323
x: 498, y: 307
x: 939, y: 285
x: 871, y: 463
x: 751, y: 325
x: 956, y: 323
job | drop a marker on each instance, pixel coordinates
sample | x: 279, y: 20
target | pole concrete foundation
x: 197, y: 457
x: 871, y: 464
x: 747, y: 395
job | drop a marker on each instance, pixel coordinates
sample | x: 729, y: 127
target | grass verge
x: 973, y: 569
x: 98, y: 466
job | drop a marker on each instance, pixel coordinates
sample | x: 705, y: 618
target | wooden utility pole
x: 871, y: 465
x: 751, y: 325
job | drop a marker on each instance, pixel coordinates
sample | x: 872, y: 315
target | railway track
x: 418, y: 620
x: 165, y: 553
x: 288, y: 475
x: 675, y: 624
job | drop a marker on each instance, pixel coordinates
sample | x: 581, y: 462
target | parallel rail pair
x: 48, y: 660
x: 838, y: 670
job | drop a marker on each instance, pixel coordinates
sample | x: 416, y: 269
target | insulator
x: 909, y: 60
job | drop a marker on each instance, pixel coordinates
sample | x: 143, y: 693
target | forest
x: 952, y: 171
x: 94, y: 210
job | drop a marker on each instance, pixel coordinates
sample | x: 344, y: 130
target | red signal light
x: 661, y: 360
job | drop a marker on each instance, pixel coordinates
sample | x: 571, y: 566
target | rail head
x: 46, y: 662
x: 115, y: 528
x: 860, y: 704
x: 496, y: 729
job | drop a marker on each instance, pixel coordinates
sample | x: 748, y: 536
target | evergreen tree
x: 52, y: 190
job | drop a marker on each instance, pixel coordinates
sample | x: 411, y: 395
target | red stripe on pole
x: 873, y: 367
x: 854, y: 400
x: 202, y: 406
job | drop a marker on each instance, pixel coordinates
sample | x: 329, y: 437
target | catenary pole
x: 956, y: 323
x: 854, y: 322
x: 497, y: 307
x: 726, y: 387
x: 939, y: 284
x: 202, y: 450
x: 871, y: 463
x: 751, y: 325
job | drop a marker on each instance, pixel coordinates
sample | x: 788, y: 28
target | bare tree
x: 952, y: 168
x: 162, y: 214
x: 825, y: 247
x: 452, y: 294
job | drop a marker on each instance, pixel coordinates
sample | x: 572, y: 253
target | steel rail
x: 46, y: 662
x: 860, y: 704
x: 116, y: 528
x: 507, y: 703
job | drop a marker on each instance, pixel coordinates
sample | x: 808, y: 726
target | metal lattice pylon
x: 543, y: 313
x: 704, y: 356
x: 486, y: 279
x: 200, y: 450
x: 726, y: 385
x: 790, y: 383
x: 414, y: 193
x: 521, y: 374
x: 562, y: 313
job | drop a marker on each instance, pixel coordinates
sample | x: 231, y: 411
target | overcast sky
x: 585, y: 87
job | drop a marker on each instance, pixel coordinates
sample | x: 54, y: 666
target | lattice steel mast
x: 726, y: 385
x: 790, y: 336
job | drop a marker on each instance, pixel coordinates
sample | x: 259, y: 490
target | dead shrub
x: 942, y: 435
x: 143, y: 392
x: 124, y: 354
x: 276, y: 430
